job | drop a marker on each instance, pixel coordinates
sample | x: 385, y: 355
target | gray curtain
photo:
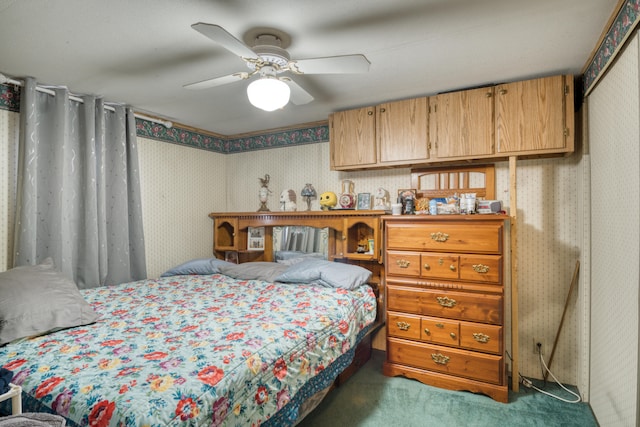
x: 78, y: 188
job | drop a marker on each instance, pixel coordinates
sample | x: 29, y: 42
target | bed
x: 245, y: 344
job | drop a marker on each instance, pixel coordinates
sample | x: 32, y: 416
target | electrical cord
x: 529, y: 384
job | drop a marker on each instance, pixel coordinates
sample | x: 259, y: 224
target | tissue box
x: 489, y: 206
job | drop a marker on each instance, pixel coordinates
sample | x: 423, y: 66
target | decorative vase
x: 347, y: 198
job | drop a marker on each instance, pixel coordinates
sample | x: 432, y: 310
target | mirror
x: 290, y: 242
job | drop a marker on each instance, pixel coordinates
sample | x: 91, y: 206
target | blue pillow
x: 326, y: 273
x: 197, y: 266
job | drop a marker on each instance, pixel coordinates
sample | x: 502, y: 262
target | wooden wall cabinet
x: 464, y: 124
x: 526, y: 119
x: 535, y: 116
x: 390, y: 134
x: 352, y: 135
x: 402, y: 132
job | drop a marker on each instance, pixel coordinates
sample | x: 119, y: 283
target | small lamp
x: 268, y: 93
x: 308, y: 192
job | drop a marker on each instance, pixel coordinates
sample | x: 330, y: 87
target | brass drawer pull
x: 453, y: 335
x: 403, y: 263
x: 403, y: 326
x: 452, y: 267
x: 427, y: 331
x: 440, y: 358
x: 446, y: 302
x: 440, y: 237
x: 480, y: 337
x: 480, y: 268
x: 439, y: 325
x: 427, y: 267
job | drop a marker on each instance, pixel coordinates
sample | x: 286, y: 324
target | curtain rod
x: 44, y: 89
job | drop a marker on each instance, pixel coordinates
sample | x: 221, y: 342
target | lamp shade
x: 268, y: 93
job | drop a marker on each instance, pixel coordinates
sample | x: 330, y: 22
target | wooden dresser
x: 446, y: 302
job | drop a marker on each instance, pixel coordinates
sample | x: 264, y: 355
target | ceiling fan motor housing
x: 271, y: 55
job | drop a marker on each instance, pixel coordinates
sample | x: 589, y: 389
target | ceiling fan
x: 265, y: 55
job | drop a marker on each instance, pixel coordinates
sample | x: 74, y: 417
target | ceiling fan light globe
x: 268, y: 93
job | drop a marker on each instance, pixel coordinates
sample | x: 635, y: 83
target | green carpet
x: 370, y: 399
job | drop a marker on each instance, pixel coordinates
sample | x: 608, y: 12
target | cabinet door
x: 464, y: 122
x: 531, y: 116
x: 402, y: 131
x: 352, y: 138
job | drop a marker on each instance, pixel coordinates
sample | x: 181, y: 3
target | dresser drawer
x: 481, y: 268
x: 478, y: 366
x: 403, y: 325
x: 403, y: 263
x: 439, y: 331
x: 477, y: 336
x: 439, y: 266
x: 469, y: 237
x: 485, y: 308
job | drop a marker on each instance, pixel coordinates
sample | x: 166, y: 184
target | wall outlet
x: 536, y: 341
x: 537, y: 346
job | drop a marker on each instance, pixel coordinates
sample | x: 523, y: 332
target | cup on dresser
x: 396, y: 209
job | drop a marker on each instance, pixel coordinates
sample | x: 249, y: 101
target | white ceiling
x: 142, y: 52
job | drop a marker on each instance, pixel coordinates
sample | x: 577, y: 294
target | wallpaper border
x: 298, y: 135
x: 621, y: 28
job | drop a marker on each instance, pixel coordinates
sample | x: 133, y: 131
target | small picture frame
x: 363, y: 202
x: 255, y: 240
x: 231, y: 256
x: 404, y: 194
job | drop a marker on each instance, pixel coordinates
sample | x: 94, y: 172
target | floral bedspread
x: 192, y: 350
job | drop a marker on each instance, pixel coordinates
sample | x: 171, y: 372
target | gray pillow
x: 259, y: 270
x: 38, y: 299
x: 326, y: 273
x: 197, y: 266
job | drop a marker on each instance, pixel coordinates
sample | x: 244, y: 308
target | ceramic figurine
x: 328, y: 200
x: 288, y: 201
x: 381, y: 200
x: 263, y: 193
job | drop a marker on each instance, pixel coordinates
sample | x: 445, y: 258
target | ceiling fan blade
x: 224, y: 39
x: 299, y: 96
x: 333, y: 65
x: 218, y: 81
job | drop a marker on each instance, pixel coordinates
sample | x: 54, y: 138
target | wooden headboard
x: 345, y: 227
x: 443, y: 182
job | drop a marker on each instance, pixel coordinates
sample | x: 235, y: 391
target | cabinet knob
x: 427, y: 331
x: 427, y: 266
x: 502, y: 91
x: 382, y: 110
x: 370, y: 113
x: 488, y: 95
x: 453, y: 335
x: 452, y: 267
